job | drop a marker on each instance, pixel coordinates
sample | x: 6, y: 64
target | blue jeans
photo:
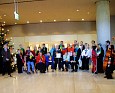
x: 30, y: 64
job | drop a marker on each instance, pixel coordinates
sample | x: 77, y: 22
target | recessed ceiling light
x: 54, y: 20
x: 82, y: 19
x: 68, y: 19
x: 4, y: 15
x: 28, y: 22
x: 87, y: 12
x: 41, y: 21
x: 40, y: 12
x: 77, y: 10
x: 15, y: 23
x: 8, y: 30
x: 4, y: 22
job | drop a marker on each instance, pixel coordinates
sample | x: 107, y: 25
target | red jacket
x: 70, y: 49
x: 40, y: 59
x: 64, y: 51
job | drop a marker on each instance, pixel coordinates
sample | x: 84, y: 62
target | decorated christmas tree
x: 3, y: 39
x: 3, y: 35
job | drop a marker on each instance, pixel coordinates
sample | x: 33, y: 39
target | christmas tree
x: 3, y: 35
x: 3, y: 39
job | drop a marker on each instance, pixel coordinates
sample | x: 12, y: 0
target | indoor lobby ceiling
x: 35, y: 11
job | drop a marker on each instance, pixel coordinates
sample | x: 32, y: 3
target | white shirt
x: 86, y: 52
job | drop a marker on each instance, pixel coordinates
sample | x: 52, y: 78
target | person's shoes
x: 28, y: 73
x: 110, y: 78
x: 33, y: 72
x: 80, y: 68
x: 10, y: 75
x: 72, y: 71
x: 44, y: 72
x: 66, y: 69
x: 75, y: 70
x: 105, y: 76
x: 3, y: 74
x: 95, y: 73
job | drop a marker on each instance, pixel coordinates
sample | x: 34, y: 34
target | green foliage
x: 3, y: 34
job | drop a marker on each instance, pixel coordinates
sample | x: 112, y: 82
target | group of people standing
x: 67, y: 58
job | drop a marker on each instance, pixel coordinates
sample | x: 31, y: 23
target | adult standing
x: 20, y: 61
x: 86, y: 54
x: 100, y: 55
x: 94, y: 59
x: 44, y: 49
x: 22, y: 50
x: 6, y: 62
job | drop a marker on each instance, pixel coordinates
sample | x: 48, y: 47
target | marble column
x: 103, y: 21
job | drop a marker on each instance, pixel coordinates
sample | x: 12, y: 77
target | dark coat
x: 6, y: 55
x: 72, y: 58
x: 44, y: 50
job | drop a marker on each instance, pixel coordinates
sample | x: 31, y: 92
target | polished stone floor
x: 57, y: 82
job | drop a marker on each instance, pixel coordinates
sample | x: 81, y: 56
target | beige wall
x: 58, y: 28
x: 112, y: 26
x: 52, y: 33
x: 51, y: 40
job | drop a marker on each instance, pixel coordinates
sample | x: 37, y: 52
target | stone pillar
x: 103, y: 21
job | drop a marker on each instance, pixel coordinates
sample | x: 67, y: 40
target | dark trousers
x: 19, y: 66
x: 74, y: 66
x: 100, y: 65
x: 85, y: 63
x: 108, y: 72
x: 20, y: 69
x: 58, y: 61
x: 6, y: 67
x: 66, y: 65
x: 49, y: 63
x: 41, y: 66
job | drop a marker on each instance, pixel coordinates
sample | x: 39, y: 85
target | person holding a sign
x: 58, y: 57
x: 66, y: 60
x: 86, y: 54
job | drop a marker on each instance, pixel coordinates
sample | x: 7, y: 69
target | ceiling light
x: 4, y: 22
x: 54, y: 20
x: 28, y: 22
x: 8, y: 30
x: 87, y: 12
x: 83, y: 19
x: 77, y: 10
x: 68, y: 19
x: 15, y: 23
x: 41, y: 21
x: 40, y: 12
x: 4, y: 15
